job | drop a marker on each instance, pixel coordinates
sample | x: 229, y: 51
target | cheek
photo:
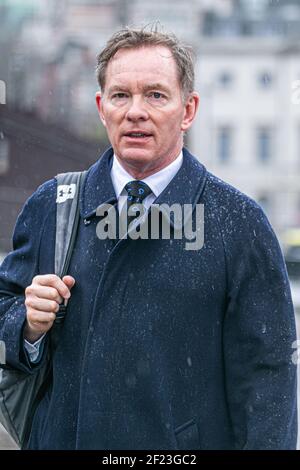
x: 112, y: 116
x: 173, y: 124
x: 112, y: 125
x: 175, y: 117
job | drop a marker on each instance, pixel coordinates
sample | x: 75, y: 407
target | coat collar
x: 98, y: 188
x: 185, y: 188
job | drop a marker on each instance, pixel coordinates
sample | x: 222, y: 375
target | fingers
x: 43, y: 305
x: 41, y: 318
x: 51, y: 280
x: 40, y: 312
x: 48, y: 291
x: 69, y: 281
x: 44, y: 292
x: 42, y: 300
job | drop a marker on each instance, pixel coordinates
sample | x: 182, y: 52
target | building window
x: 224, y: 144
x: 265, y: 80
x: 225, y: 79
x: 264, y: 144
x: 4, y: 153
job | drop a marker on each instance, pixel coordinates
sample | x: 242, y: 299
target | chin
x: 136, y: 154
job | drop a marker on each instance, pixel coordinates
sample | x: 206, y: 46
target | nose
x: 137, y: 110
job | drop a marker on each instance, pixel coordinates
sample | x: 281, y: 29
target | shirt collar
x: 156, y: 182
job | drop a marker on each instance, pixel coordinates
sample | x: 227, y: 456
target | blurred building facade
x: 248, y: 127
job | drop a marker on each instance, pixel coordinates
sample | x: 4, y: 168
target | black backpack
x: 21, y: 392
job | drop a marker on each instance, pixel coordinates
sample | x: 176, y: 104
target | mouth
x: 137, y: 135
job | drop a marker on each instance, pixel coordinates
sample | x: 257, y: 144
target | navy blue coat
x: 162, y: 347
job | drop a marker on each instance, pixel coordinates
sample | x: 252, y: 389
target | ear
x: 99, y: 104
x: 190, y: 110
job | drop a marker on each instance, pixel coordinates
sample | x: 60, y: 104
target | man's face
x: 143, y: 110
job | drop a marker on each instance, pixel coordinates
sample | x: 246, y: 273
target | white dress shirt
x: 120, y: 177
x: 156, y: 182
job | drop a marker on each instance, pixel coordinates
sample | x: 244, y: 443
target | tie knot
x: 137, y: 190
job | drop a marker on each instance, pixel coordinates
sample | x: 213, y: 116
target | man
x: 163, y: 347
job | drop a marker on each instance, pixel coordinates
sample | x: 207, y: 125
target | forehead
x: 150, y: 63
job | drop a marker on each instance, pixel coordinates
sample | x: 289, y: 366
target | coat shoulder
x: 227, y: 196
x: 230, y: 203
x: 238, y: 217
x: 44, y: 195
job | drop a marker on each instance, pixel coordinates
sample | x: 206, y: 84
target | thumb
x: 69, y: 281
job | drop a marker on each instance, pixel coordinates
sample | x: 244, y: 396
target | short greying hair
x: 128, y: 38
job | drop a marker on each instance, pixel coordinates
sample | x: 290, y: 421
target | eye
x: 156, y: 95
x: 119, y: 96
x: 156, y: 98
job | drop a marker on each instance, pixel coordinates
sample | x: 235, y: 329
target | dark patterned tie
x: 137, y: 191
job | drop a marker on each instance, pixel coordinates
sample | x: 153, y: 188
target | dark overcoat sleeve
x: 259, y: 332
x: 17, y: 272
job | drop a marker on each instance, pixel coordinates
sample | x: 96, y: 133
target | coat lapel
x: 98, y: 188
x: 185, y: 188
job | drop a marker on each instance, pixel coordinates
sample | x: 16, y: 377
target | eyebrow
x: 155, y: 86
x: 150, y: 86
x: 116, y: 88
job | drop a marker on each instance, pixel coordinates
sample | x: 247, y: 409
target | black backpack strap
x: 67, y: 218
x: 69, y: 187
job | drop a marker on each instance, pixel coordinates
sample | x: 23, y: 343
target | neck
x: 140, y: 170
